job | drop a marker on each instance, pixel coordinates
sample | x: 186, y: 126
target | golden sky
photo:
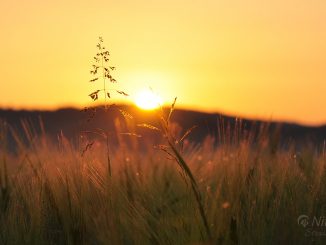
x: 263, y: 59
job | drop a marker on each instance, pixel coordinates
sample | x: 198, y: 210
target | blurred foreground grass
x: 51, y: 193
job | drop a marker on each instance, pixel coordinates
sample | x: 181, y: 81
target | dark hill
x: 70, y: 122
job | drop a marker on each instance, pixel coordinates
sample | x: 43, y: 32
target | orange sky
x: 263, y: 59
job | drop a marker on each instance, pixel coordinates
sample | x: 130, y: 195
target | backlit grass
x: 52, y: 194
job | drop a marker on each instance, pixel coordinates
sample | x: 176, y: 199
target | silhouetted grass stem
x: 182, y: 163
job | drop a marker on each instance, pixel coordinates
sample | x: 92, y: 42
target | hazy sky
x: 255, y: 58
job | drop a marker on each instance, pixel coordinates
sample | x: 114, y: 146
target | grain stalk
x: 175, y: 153
x: 172, y: 150
x: 101, y: 59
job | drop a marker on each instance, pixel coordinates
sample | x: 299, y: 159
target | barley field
x: 67, y: 192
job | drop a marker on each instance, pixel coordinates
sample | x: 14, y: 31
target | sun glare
x: 148, y: 100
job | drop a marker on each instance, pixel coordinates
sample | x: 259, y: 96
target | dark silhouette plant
x: 101, y: 71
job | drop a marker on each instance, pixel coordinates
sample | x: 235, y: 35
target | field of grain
x: 62, y: 193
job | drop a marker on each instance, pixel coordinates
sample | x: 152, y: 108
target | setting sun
x: 148, y: 100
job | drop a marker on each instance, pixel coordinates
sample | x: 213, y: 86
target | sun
x: 148, y: 100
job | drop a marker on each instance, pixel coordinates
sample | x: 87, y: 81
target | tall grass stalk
x: 101, y: 60
x: 171, y: 141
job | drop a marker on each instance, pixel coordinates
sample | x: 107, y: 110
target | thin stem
x: 103, y: 76
x: 194, y: 186
x: 182, y: 163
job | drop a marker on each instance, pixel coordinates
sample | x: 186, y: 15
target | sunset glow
x: 148, y: 100
x: 259, y: 59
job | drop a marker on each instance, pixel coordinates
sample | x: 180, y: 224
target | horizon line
x: 184, y: 108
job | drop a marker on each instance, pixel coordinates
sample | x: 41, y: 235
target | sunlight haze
x: 259, y: 59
